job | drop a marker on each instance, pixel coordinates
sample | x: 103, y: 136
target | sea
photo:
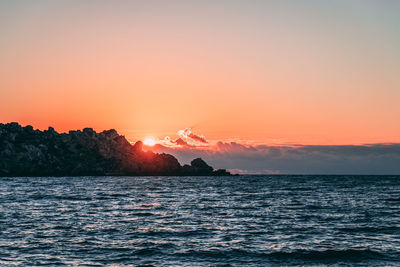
x: 261, y: 220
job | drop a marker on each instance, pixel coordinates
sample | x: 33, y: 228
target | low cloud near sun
x: 186, y: 139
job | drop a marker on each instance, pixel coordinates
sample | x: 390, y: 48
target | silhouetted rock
x: 138, y: 146
x: 200, y: 167
x: 28, y: 152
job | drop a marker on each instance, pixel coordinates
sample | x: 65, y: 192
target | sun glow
x: 149, y: 141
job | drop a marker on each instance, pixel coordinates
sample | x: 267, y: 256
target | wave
x: 371, y: 229
x: 331, y: 254
x: 302, y: 255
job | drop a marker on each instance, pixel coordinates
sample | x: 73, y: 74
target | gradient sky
x: 269, y: 72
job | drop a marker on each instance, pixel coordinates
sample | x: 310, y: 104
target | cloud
x: 298, y: 159
x: 180, y: 142
x: 168, y: 142
x: 188, y: 135
x: 186, y: 139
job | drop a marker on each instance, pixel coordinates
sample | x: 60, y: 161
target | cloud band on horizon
x: 298, y: 159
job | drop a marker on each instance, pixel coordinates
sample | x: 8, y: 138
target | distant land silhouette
x: 25, y: 151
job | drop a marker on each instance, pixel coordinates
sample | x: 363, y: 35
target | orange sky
x: 266, y: 73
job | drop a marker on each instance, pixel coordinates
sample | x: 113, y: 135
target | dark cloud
x: 307, y: 159
x: 180, y: 142
x: 198, y: 138
x: 189, y: 136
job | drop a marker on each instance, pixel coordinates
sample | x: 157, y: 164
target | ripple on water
x: 197, y: 221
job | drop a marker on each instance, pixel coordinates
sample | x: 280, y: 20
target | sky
x: 254, y: 73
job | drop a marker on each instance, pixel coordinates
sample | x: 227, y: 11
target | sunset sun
x: 149, y: 141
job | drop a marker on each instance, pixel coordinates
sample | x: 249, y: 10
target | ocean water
x: 200, y: 221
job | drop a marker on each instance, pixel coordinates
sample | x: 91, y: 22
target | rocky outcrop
x: 25, y: 151
x: 200, y: 167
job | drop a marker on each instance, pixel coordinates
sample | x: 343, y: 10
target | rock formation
x: 28, y: 152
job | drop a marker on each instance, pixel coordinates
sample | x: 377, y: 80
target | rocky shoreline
x: 25, y: 151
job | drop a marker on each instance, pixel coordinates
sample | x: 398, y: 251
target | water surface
x: 197, y: 221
